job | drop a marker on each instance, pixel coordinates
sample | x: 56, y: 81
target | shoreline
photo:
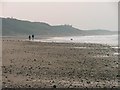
x: 64, y: 39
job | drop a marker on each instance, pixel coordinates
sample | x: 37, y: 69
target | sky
x: 82, y: 15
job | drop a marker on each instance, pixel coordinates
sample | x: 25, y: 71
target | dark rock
x: 54, y: 86
x: 34, y: 59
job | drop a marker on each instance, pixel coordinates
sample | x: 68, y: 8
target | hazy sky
x: 83, y: 15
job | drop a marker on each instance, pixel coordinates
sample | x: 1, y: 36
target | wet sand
x: 62, y: 65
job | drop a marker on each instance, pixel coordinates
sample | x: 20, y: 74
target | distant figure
x: 29, y: 37
x: 32, y: 37
x: 71, y: 39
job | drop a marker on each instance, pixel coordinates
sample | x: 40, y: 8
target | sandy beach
x: 29, y: 64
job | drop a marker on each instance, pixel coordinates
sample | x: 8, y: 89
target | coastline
x: 94, y: 39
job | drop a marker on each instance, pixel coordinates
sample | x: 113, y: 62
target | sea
x: 99, y: 39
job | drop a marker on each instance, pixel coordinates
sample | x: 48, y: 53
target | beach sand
x: 27, y: 64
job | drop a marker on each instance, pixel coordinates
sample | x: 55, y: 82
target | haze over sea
x: 101, y: 39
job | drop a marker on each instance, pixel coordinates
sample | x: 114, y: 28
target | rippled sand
x: 58, y: 65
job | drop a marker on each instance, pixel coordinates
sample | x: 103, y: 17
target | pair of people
x: 31, y: 37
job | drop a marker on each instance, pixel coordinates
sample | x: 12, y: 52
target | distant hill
x: 13, y: 27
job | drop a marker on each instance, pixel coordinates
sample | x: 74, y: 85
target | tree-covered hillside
x: 13, y: 27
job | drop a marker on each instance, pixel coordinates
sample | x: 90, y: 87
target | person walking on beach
x: 32, y: 37
x: 29, y: 37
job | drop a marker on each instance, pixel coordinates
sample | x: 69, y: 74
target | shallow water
x: 101, y: 39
